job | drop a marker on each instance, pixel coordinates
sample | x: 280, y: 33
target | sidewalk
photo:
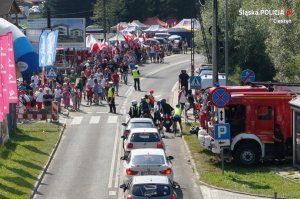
x: 208, y: 192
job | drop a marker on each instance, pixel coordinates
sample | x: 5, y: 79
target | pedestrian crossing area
x: 80, y: 120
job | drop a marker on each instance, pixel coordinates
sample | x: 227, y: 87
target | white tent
x: 117, y: 37
x: 138, y: 24
x: 186, y: 24
x: 156, y: 28
x: 131, y: 29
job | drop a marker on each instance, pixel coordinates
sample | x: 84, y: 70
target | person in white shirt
x: 57, y: 96
x: 39, y: 98
x: 35, y: 78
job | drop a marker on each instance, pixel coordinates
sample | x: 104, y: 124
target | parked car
x: 145, y: 187
x: 147, y: 162
x: 142, y: 138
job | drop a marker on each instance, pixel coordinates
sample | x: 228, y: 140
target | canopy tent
x: 156, y: 28
x: 155, y: 21
x: 117, y: 37
x: 172, y: 22
x: 186, y: 24
x: 94, y: 28
x: 174, y: 37
x: 138, y: 24
x: 132, y: 29
x: 119, y: 26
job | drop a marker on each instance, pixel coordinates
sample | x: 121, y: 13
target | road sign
x: 221, y: 115
x: 51, y: 71
x: 220, y: 97
x: 222, y: 134
x: 248, y: 76
x: 195, y: 82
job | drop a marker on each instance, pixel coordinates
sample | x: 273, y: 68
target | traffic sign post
x: 220, y: 97
x: 221, y: 115
x: 195, y: 82
x: 222, y: 134
x: 248, y: 76
x: 51, y: 71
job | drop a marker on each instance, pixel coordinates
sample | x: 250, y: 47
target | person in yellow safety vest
x: 136, y: 77
x: 111, y: 98
x: 177, y: 116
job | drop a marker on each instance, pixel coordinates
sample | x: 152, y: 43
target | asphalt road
x: 87, y: 163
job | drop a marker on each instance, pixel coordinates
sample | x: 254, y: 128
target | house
x: 9, y: 8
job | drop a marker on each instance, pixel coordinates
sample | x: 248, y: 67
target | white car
x: 137, y: 123
x: 148, y: 162
x: 145, y: 187
x: 142, y: 138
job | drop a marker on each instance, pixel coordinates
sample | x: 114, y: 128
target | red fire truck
x: 253, y: 113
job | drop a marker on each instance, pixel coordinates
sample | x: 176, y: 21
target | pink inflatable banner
x: 4, y: 72
x: 12, y: 79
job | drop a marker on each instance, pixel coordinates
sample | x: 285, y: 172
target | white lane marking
x: 112, y: 193
x: 89, y: 112
x: 94, y: 119
x: 76, y: 120
x: 112, y: 119
x: 113, y: 159
x: 117, y: 177
x: 100, y: 112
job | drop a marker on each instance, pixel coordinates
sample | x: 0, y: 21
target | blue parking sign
x: 222, y: 131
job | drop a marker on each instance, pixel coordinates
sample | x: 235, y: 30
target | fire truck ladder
x: 279, y: 86
x: 208, y: 55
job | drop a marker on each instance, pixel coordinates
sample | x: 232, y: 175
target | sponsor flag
x: 47, y: 48
x: 4, y: 72
x: 12, y: 79
x: 51, y: 47
x: 43, y: 49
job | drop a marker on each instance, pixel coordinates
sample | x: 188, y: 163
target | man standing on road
x: 184, y: 80
x: 136, y: 77
x: 111, y: 98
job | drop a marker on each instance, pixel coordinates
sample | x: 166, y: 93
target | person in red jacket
x: 116, y: 79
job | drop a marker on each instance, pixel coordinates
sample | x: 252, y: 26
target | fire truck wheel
x: 246, y: 155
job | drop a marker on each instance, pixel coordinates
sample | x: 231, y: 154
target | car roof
x: 141, y: 120
x: 144, y: 130
x: 150, y: 179
x: 147, y: 151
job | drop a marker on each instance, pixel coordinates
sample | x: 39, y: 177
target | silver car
x: 145, y: 187
x: 143, y: 138
x: 137, y: 123
x: 148, y: 162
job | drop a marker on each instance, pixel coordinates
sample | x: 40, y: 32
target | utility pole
x: 192, y: 47
x: 215, y: 42
x: 226, y: 42
x: 104, y: 18
x: 48, y: 19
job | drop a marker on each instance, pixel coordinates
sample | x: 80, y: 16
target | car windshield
x: 145, y: 137
x: 142, y: 125
x: 148, y: 160
x: 151, y: 190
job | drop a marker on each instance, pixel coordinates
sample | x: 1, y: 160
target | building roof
x: 155, y: 21
x: 9, y: 7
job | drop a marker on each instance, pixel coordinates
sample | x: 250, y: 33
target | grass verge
x: 258, y: 180
x: 23, y: 157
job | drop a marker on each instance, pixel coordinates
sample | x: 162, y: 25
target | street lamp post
x: 104, y: 18
x: 192, y: 47
x: 226, y: 42
x: 215, y: 42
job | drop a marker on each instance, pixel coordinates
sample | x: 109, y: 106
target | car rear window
x: 142, y: 125
x: 151, y: 190
x: 145, y: 137
x: 148, y: 160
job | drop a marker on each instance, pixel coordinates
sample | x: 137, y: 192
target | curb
x: 45, y: 168
x: 195, y: 169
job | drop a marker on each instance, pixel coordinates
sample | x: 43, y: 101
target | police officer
x: 134, y: 111
x: 111, y: 98
x: 136, y: 77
